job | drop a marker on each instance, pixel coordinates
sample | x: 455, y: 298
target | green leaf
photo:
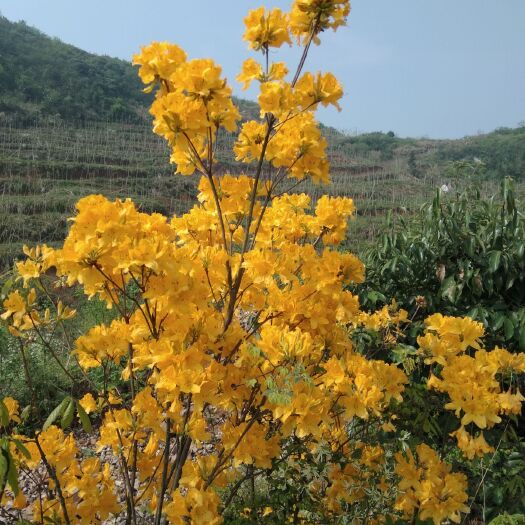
x: 4, y: 465
x: 521, y: 340
x: 497, y: 495
x: 498, y: 321
x: 489, y: 284
x: 6, y: 288
x: 470, y: 246
x: 26, y: 412
x: 473, y: 314
x: 12, y: 476
x: 22, y: 448
x: 401, y: 352
x: 4, y: 415
x: 508, y: 329
x: 510, y: 281
x: 448, y: 289
x: 494, y: 260
x: 84, y: 418
x: 393, y: 265
x: 67, y: 416
x: 56, y: 413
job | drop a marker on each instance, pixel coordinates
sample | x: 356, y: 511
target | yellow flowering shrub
x: 234, y: 323
x: 428, y: 485
x: 482, y: 387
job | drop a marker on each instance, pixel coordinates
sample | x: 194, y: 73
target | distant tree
x: 413, y: 167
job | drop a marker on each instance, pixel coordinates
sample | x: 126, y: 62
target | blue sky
x: 436, y: 68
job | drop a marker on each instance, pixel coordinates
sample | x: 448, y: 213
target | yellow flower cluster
x: 103, y: 343
x: 158, y: 61
x: 292, y: 288
x: 281, y: 99
x: 305, y: 21
x: 266, y: 29
x: 387, y: 317
x: 16, y: 310
x: 310, y: 17
x: 446, y: 337
x: 350, y: 386
x: 428, y: 487
x: 311, y: 90
x: 349, y: 483
x: 87, y: 486
x: 92, y: 255
x: 198, y: 507
x: 294, y: 143
x: 252, y: 70
x: 193, y: 102
x: 21, y: 312
x: 298, y: 147
x: 13, y: 410
x: 446, y: 341
x: 33, y: 266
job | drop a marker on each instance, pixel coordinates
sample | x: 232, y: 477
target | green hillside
x: 502, y: 151
x: 42, y: 76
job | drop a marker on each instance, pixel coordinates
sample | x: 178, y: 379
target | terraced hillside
x: 47, y: 166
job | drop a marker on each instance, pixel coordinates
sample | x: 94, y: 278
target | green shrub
x: 461, y: 256
x: 508, y: 519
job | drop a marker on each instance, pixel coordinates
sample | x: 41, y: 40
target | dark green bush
x: 460, y: 256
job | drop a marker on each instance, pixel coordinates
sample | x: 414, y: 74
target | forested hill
x: 42, y: 76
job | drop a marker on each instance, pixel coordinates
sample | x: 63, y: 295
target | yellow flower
x: 14, y: 306
x: 483, y: 401
x: 159, y: 60
x: 276, y: 97
x: 266, y: 29
x: 251, y: 70
x: 298, y: 146
x: 325, y: 89
x: 20, y: 501
x: 248, y: 146
x: 12, y: 409
x: 199, y: 507
x: 267, y: 511
x: 103, y: 343
x: 88, y: 403
x: 470, y: 445
x: 428, y: 486
x: 310, y: 17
